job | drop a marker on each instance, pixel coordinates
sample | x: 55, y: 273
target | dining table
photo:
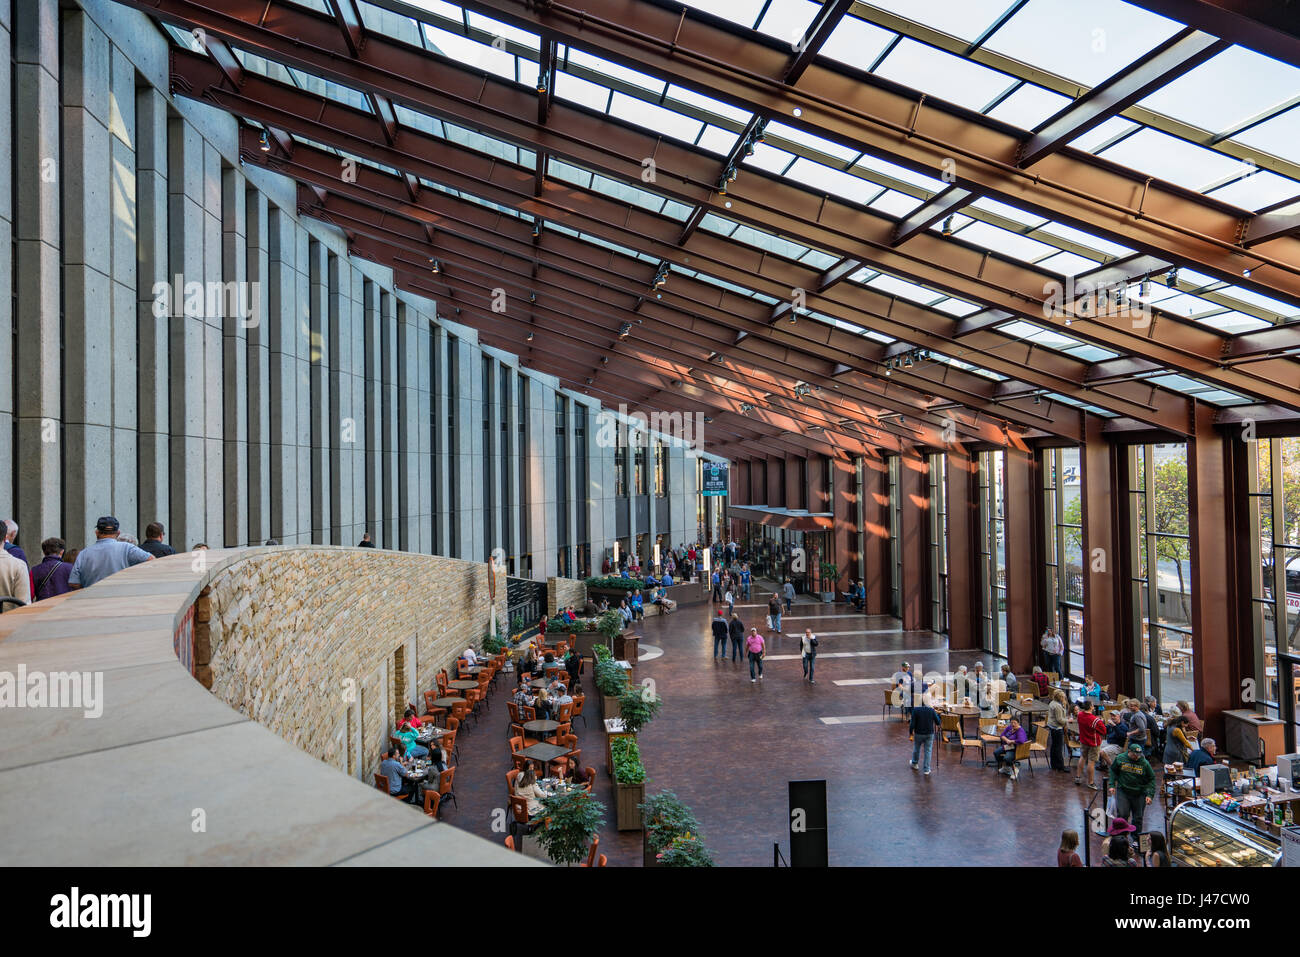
x: 541, y: 727
x: 543, y: 753
x: 462, y: 685
x: 1027, y: 711
x: 447, y: 701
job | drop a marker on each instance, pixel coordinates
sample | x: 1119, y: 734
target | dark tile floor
x: 728, y: 747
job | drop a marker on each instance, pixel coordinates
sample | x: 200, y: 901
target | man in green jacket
x: 1133, y: 783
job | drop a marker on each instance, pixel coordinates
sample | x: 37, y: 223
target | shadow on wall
x: 310, y: 641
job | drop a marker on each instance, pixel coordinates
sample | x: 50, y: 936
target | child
x: 1066, y: 854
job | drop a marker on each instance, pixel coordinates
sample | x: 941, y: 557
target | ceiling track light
x: 624, y: 329
x: 434, y: 266
x: 529, y: 337
x: 604, y: 360
x: 532, y: 297
x: 1171, y: 277
x: 537, y: 228
x: 542, y: 79
x: 947, y: 225
x: 264, y: 142
x: 732, y: 174
x: 1144, y: 287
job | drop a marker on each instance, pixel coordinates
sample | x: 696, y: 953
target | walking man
x: 1092, y: 730
x: 902, y: 684
x: 789, y: 594
x: 774, y: 612
x: 923, y: 727
x: 808, y: 647
x: 754, y: 645
x: 720, y: 632
x: 736, y: 629
x: 730, y: 599
x: 717, y: 586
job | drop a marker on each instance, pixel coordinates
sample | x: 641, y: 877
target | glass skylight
x: 967, y: 19
x: 1029, y: 106
x: 943, y: 75
x: 1227, y: 90
x: 788, y: 20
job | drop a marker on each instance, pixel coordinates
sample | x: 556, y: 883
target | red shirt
x: 1068, y: 859
x: 1092, y: 730
x: 1040, y: 679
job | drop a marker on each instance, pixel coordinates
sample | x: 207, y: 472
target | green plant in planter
x: 626, y: 756
x: 571, y: 820
x: 610, y: 624
x: 517, y: 624
x: 685, y: 850
x: 666, y: 818
x: 611, y: 680
x: 492, y: 644
x: 602, y: 653
x: 830, y: 574
x: 638, y: 705
x: 615, y: 583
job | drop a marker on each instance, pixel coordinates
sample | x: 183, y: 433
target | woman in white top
x: 526, y: 787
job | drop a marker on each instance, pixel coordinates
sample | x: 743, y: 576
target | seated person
x: 1193, y: 721
x: 625, y: 612
x: 410, y: 718
x: 603, y: 605
x: 398, y: 783
x: 625, y: 573
x: 638, y: 609
x: 539, y: 665
x: 667, y: 580
x: 542, y: 705
x: 1040, y: 679
x: 1116, y: 737
x: 1012, y: 736
x: 523, y: 694
x: 1009, y: 676
x: 471, y: 656
x: 650, y: 579
x: 437, y: 764
x: 576, y: 774
x: 589, y: 610
x: 570, y: 614
x: 529, y: 661
x: 661, y: 598
x: 526, y: 787
x: 1090, y: 688
x: 562, y: 696
x: 1204, y: 754
x: 407, y: 735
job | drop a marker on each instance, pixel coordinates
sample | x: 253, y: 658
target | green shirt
x: 1130, y: 774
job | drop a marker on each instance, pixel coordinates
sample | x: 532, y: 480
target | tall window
x: 620, y: 460
x: 638, y: 442
x: 993, y: 561
x: 453, y: 447
x: 562, y: 485
x: 1160, y: 553
x: 507, y: 500
x: 525, y: 454
x: 1273, y: 474
x: 1063, y: 551
x: 582, y: 489
x: 489, y: 487
x: 895, y: 542
x: 938, y: 563
x: 661, y: 470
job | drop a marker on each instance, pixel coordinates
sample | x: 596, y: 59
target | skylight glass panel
x: 906, y: 290
x: 1173, y: 160
x: 616, y: 71
x: 1227, y: 90
x: 942, y: 75
x: 419, y: 121
x: 1097, y: 137
x: 250, y: 61
x: 1008, y: 212
x: 583, y: 92
x: 967, y: 19
x: 823, y: 179
x: 768, y: 157
x: 1006, y: 242
x: 807, y: 140
x: 1279, y: 136
x: 1067, y: 264
x: 716, y: 224
x: 1090, y: 353
x: 1029, y: 106
x: 955, y: 307
x: 331, y: 90
x: 486, y: 144
x: 649, y: 116
x: 478, y: 21
x: 818, y: 259
x: 1221, y: 397
x: 628, y: 194
x: 1233, y: 322
x: 1283, y: 310
x: 558, y: 169
x: 856, y: 42
x: 1261, y: 188
x: 724, y: 110
x: 788, y: 20
x: 1179, y: 383
x: 894, y: 203
x: 717, y: 140
x: 958, y: 364
x: 902, y: 173
x: 470, y: 53
x: 773, y: 244
x: 1185, y: 304
x: 1079, y: 237
x: 439, y: 7
x: 1084, y: 42
x: 676, y: 210
x: 744, y: 12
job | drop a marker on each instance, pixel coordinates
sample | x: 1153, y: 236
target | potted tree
x: 629, y: 782
x: 611, y: 682
x: 570, y: 821
x: 830, y: 575
x: 665, y: 818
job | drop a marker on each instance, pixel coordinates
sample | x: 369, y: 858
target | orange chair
x: 519, y: 761
x: 445, y: 780
x: 460, y: 711
x: 591, y: 855
x: 516, y: 744
x: 565, y: 714
x: 522, y: 823
x: 510, y: 782
x: 515, y: 717
x: 448, y: 744
x: 529, y: 713
x: 579, y: 701
x: 432, y: 800
x: 590, y: 774
x: 602, y: 862
x: 510, y: 842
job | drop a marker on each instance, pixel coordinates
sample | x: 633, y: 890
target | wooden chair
x: 988, y: 734
x: 560, y: 765
x: 591, y: 855
x: 579, y: 702
x: 602, y: 862
x: 381, y: 783
x: 1022, y: 754
x: 513, y: 708
x: 510, y: 842
x: 1040, y: 743
x: 448, y: 744
x: 517, y: 731
x: 510, y: 781
x: 948, y: 724
x: 519, y: 761
x: 1054, y: 677
x: 565, y: 713
x: 522, y: 823
x: 432, y: 801
x: 590, y: 774
x: 460, y: 711
x: 964, y: 741
x: 445, y: 780
x: 889, y: 701
x: 483, y: 682
x: 529, y: 713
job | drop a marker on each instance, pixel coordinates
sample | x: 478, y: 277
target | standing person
x: 1058, y: 714
x: 923, y: 726
x: 1133, y: 784
x: 366, y: 541
x: 1177, y: 743
x: 774, y: 612
x: 1193, y: 721
x: 1067, y: 854
x: 730, y: 599
x: 50, y: 577
x: 736, y: 629
x: 788, y: 589
x: 808, y: 649
x: 720, y: 632
x: 903, y: 687
x: 15, y: 578
x: 11, y: 547
x: 153, y: 541
x: 106, y: 556
x: 717, y: 585
x: 1092, y: 731
x: 1157, y: 850
x: 746, y: 580
x: 1053, y: 648
x: 754, y: 645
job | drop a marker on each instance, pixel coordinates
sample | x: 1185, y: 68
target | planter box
x: 628, y: 799
x: 610, y: 708
x: 609, y: 758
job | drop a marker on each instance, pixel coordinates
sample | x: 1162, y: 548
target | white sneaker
x: 913, y: 764
x: 751, y: 680
x: 928, y: 772
x: 1015, y: 774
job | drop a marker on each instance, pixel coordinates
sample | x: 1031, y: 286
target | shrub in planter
x: 666, y: 818
x: 637, y: 705
x: 610, y: 625
x: 602, y: 653
x: 629, y: 782
x: 570, y: 821
x: 494, y: 644
x: 686, y: 850
x: 562, y: 625
x: 611, y: 680
x: 626, y: 756
x: 615, y: 583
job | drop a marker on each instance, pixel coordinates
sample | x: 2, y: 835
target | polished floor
x: 728, y: 747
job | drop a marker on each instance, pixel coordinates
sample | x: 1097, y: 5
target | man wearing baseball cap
x: 107, y: 556
x: 1133, y: 783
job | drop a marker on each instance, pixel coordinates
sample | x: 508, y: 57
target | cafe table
x: 543, y: 753
x: 963, y: 711
x: 541, y: 727
x: 539, y: 683
x: 462, y: 685
x: 472, y: 669
x: 448, y: 701
x: 428, y: 734
x: 1026, y: 711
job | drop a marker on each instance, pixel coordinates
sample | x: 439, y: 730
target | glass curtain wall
x: 564, y: 569
x: 895, y: 543
x: 938, y: 557
x: 992, y: 542
x: 1273, y: 476
x: 1063, y: 551
x: 1160, y: 553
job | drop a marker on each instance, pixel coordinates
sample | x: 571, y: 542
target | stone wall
x: 324, y: 645
x: 562, y: 592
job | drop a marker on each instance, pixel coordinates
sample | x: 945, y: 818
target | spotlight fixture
x: 624, y: 329
x: 604, y: 360
x: 542, y: 78
x: 1171, y: 277
x: 661, y: 275
x: 746, y: 408
x: 1038, y: 398
x: 708, y: 419
x: 749, y: 147
x: 947, y: 225
x: 537, y: 228
x: 760, y: 132
x: 732, y: 174
x: 434, y: 266
x: 532, y: 297
x: 677, y: 383
x: 588, y: 380
x: 1246, y: 272
x: 722, y: 184
x: 1144, y: 288
x: 530, y: 337
x: 264, y: 142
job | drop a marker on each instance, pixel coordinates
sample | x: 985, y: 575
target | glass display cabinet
x: 1201, y: 836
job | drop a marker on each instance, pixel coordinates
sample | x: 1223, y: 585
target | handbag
x: 769, y: 622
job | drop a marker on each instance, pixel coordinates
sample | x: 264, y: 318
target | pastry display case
x: 1203, y: 836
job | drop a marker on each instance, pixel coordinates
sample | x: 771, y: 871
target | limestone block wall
x: 324, y: 645
x: 561, y: 592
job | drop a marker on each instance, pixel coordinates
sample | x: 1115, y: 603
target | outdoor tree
x: 1170, y: 520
